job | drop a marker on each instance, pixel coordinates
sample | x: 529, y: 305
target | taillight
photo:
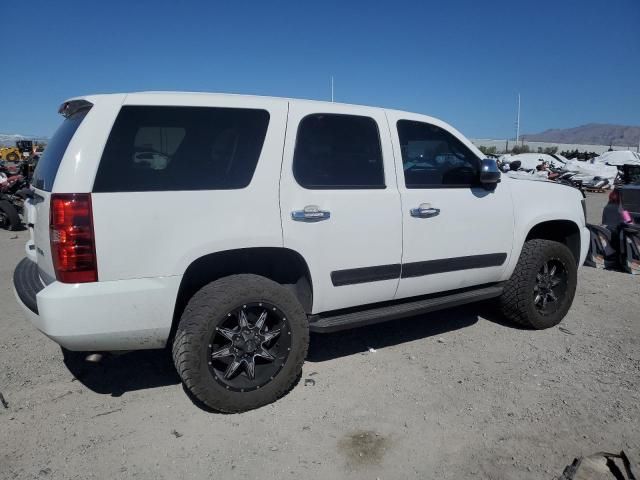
x: 72, y: 240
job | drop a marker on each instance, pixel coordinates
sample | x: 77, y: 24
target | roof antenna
x: 331, y: 88
x: 518, y: 122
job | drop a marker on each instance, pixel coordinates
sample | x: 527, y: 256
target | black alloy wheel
x: 550, y: 287
x: 250, y: 347
x: 542, y: 287
x: 241, y: 342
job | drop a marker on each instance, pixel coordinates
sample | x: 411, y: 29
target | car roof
x: 173, y: 95
x: 156, y: 97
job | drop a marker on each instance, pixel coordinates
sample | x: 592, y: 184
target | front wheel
x: 541, y: 290
x: 241, y: 343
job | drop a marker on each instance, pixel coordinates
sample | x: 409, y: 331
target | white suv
x: 227, y: 227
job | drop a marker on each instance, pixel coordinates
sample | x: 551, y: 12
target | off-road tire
x: 517, y: 300
x: 209, y: 308
x: 11, y: 213
x: 12, y: 157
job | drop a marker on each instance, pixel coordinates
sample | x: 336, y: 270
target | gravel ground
x: 453, y: 394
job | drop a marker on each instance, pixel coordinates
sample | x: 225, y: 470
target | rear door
x: 339, y: 202
x: 456, y: 234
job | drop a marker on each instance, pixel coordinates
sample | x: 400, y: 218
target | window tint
x: 433, y: 157
x: 47, y: 168
x: 337, y: 152
x: 181, y: 148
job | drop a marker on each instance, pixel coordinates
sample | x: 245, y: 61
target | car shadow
x: 116, y: 375
x: 328, y: 346
x: 128, y: 372
x: 487, y: 311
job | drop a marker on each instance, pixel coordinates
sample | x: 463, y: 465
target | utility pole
x: 518, y: 122
x: 331, y: 88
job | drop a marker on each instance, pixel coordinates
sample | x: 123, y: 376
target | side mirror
x: 489, y: 173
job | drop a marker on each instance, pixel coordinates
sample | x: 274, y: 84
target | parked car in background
x: 228, y: 227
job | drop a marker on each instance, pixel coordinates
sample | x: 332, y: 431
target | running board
x: 327, y: 323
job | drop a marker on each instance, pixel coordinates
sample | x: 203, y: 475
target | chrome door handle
x: 310, y: 213
x: 425, y: 211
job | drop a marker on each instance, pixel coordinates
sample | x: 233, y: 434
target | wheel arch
x: 282, y: 265
x: 566, y: 232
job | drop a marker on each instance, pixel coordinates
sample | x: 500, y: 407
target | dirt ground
x: 452, y: 394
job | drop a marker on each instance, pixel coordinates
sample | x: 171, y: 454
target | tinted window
x: 338, y: 151
x: 433, y: 157
x: 181, y: 148
x: 47, y: 168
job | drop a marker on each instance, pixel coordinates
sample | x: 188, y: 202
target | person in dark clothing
x: 614, y: 217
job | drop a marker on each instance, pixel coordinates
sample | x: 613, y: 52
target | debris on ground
x: 176, y: 433
x: 309, y: 382
x: 441, y: 340
x: 372, y: 350
x: 566, y: 330
x: 600, y: 466
x: 5, y: 404
x: 107, y: 413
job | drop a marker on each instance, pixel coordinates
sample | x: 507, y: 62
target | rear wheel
x: 12, y: 157
x: 541, y: 289
x: 241, y: 343
x: 9, y: 217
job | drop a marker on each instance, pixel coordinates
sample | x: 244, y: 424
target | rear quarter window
x: 47, y: 168
x: 156, y: 148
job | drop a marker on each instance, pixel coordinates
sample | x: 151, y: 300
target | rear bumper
x: 101, y: 316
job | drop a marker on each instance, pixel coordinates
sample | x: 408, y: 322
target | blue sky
x: 574, y: 62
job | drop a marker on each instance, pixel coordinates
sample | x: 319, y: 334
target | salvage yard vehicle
x: 302, y: 216
x: 25, y: 147
x: 10, y: 154
x: 13, y: 181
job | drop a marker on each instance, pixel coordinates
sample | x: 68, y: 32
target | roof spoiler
x: 73, y: 106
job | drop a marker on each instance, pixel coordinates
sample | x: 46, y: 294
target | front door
x: 339, y: 203
x: 456, y: 234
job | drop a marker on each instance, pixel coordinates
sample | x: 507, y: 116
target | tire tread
x: 516, y: 299
x: 217, y: 298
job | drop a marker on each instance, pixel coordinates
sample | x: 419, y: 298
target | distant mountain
x: 9, y: 140
x: 591, y: 134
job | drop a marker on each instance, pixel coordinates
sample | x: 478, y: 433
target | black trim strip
x: 353, y: 276
x: 430, y: 267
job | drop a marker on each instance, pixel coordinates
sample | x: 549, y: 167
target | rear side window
x: 433, y: 157
x: 338, y: 152
x: 181, y: 148
x: 47, y: 168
